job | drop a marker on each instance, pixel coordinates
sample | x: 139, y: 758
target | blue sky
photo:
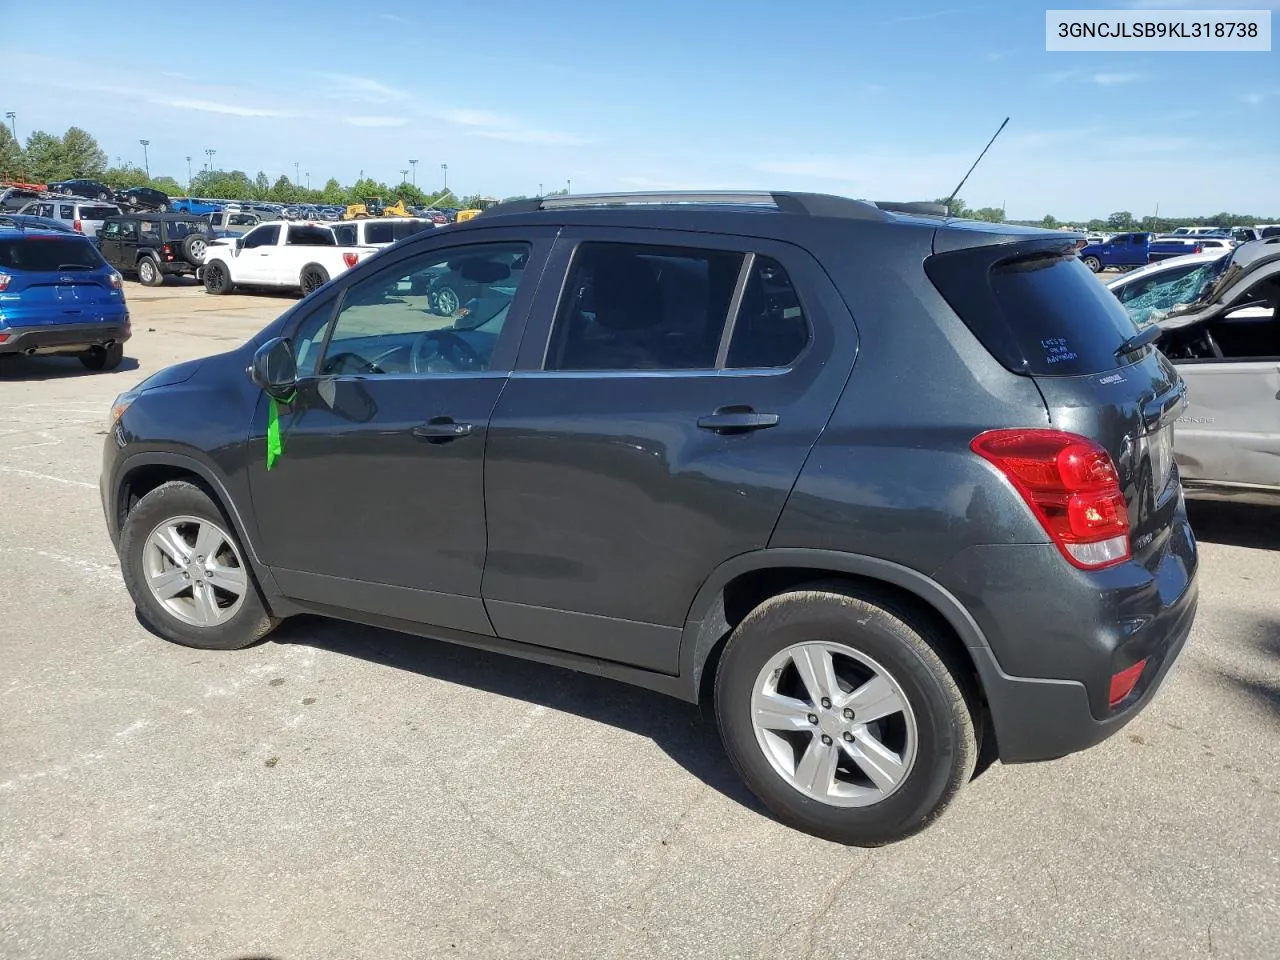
x: 867, y: 99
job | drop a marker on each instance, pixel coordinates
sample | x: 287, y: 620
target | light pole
x: 146, y: 162
x: 444, y: 172
x: 568, y: 186
x: 414, y: 165
x: 308, y: 179
x: 539, y: 189
x: 188, y: 173
x: 404, y: 175
x: 296, y: 174
x: 11, y: 116
x: 209, y: 152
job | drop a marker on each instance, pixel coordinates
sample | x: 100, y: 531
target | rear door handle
x: 441, y: 430
x: 737, y: 420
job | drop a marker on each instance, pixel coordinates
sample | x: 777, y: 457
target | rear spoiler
x: 918, y: 207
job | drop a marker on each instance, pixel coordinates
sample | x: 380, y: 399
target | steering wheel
x: 1212, y: 344
x: 445, y: 345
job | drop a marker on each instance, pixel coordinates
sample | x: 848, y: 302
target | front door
x: 377, y: 503
x: 653, y: 432
x: 109, y: 244
x: 1230, y: 432
x: 254, y: 259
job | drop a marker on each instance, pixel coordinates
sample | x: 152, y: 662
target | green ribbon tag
x: 275, y: 444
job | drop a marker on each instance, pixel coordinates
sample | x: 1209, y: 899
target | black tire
x: 907, y: 647
x: 178, y: 498
x: 149, y: 274
x: 216, y: 279
x: 313, y: 278
x: 103, y: 358
x: 1094, y: 264
x: 194, y: 248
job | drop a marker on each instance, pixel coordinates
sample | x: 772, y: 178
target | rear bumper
x: 1056, y: 636
x: 57, y: 338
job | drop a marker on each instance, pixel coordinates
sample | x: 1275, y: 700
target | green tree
x: 989, y: 214
x: 11, y: 159
x: 123, y: 177
x: 283, y: 190
x: 82, y: 155
x: 166, y: 184
x: 1120, y: 220
x: 1050, y: 222
x: 333, y: 192
x: 222, y: 185
x: 46, y: 160
x: 955, y: 207
x: 261, y: 186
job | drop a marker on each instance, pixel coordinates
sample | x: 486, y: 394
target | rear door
x: 669, y: 388
x: 300, y: 243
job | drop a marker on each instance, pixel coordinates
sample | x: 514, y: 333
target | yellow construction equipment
x: 374, y: 207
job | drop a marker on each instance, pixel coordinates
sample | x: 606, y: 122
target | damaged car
x: 1217, y: 316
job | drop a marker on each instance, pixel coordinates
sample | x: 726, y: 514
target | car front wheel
x: 1094, y: 264
x: 843, y: 715
x: 186, y: 571
x: 216, y: 279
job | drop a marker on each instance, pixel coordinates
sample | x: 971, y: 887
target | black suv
x: 154, y: 245
x: 89, y: 189
x: 886, y: 488
x: 137, y: 199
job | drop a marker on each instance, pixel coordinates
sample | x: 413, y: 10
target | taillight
x: 1071, y: 485
x: 75, y: 224
x: 116, y: 281
x: 1199, y: 248
x: 4, y: 281
x: 350, y: 259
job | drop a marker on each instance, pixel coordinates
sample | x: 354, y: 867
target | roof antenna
x: 975, y: 164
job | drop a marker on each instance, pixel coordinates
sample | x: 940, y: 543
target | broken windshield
x: 1151, y: 299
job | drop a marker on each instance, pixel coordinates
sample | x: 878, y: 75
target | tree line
x: 76, y: 154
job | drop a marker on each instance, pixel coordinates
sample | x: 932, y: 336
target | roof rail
x: 810, y: 204
x: 922, y: 207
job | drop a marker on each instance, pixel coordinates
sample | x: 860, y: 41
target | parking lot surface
x: 340, y: 791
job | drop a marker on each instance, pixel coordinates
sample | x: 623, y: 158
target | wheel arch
x: 143, y: 472
x: 743, y: 582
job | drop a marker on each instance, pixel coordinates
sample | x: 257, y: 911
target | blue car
x: 58, y: 296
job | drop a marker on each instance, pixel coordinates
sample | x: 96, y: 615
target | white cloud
x: 395, y: 18
x: 375, y: 121
x: 345, y: 86
x: 551, y: 138
x: 1101, y: 78
x: 472, y: 118
x: 1113, y: 79
x: 211, y: 106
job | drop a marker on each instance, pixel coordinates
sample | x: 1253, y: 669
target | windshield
x: 1151, y: 299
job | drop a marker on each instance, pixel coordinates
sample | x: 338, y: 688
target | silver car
x: 1217, y: 311
x: 83, y: 216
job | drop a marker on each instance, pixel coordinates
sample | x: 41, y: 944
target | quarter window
x: 771, y: 329
x: 440, y: 312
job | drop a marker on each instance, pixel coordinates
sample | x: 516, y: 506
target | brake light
x: 1071, y: 485
x: 1199, y: 248
x: 76, y: 226
x: 350, y: 259
x: 4, y: 281
x: 3, y: 337
x: 116, y: 281
x: 1122, y: 683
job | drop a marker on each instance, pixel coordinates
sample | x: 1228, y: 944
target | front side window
x: 111, y: 231
x: 440, y: 312
x: 642, y: 307
x: 265, y: 236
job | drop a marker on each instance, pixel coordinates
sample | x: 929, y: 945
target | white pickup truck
x: 299, y: 256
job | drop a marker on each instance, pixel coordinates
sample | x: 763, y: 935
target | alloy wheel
x: 194, y: 570
x: 834, y: 724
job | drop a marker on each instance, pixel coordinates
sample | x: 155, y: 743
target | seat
x: 627, y: 298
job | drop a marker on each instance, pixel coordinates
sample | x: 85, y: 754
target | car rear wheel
x: 446, y: 302
x: 149, y: 274
x: 186, y: 571
x: 216, y: 279
x: 1094, y: 264
x: 103, y: 358
x: 842, y: 714
x: 312, y: 279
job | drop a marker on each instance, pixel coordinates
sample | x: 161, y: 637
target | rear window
x: 98, y: 213
x: 181, y: 228
x: 1041, y: 313
x: 50, y: 254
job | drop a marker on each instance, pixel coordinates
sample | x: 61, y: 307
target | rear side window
x: 97, y: 213
x: 310, y: 237
x: 771, y: 329
x: 346, y: 234
x: 1041, y: 313
x: 66, y: 211
x: 50, y: 254
x: 378, y: 233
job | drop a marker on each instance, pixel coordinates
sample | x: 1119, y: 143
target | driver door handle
x: 442, y: 430
x: 737, y: 419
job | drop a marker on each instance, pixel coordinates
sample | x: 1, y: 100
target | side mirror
x: 239, y: 243
x: 274, y: 368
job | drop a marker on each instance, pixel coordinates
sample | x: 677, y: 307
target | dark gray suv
x: 885, y: 487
